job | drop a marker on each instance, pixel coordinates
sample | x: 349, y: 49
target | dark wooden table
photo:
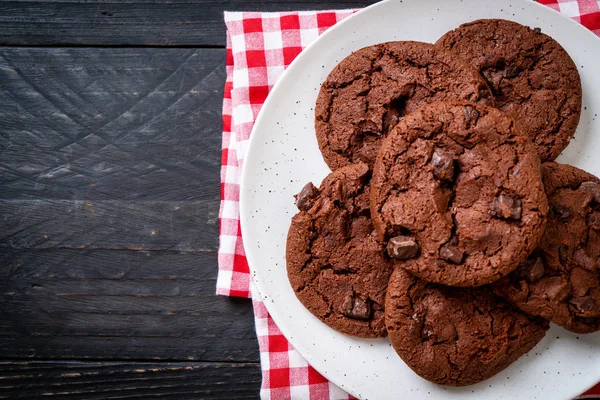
x: 110, y: 136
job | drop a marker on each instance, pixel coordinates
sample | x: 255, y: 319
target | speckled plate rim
x: 283, y: 149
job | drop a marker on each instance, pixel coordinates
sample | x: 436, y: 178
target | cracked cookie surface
x: 560, y: 280
x: 465, y: 185
x: 335, y: 263
x: 531, y: 75
x: 372, y: 89
x: 455, y: 336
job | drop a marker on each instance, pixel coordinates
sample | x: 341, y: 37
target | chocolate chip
x: 583, y: 260
x: 356, y: 308
x: 443, y: 164
x: 593, y: 221
x: 537, y: 30
x: 452, y: 254
x: 471, y: 114
x: 402, y: 247
x: 563, y: 254
x: 427, y: 331
x: 484, y: 96
x: 532, y: 269
x: 562, y: 212
x: 583, y: 304
x: 305, y: 199
x: 593, y: 188
x: 556, y: 288
x: 506, y: 207
x: 511, y: 71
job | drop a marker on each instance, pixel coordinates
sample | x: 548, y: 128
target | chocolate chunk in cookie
x: 531, y: 75
x: 402, y: 247
x: 304, y: 199
x: 335, y: 264
x: 531, y: 270
x: 443, y: 164
x: 506, y: 207
x: 467, y: 190
x: 471, y: 114
x: 452, y: 254
x: 356, y: 308
x: 562, y: 212
x: 593, y: 188
x: 371, y: 90
x: 456, y: 336
x: 560, y: 282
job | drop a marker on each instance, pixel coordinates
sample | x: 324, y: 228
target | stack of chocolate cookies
x: 446, y: 225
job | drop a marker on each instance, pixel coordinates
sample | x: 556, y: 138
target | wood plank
x: 154, y: 23
x: 123, y: 380
x: 106, y: 304
x: 110, y: 124
x: 183, y: 226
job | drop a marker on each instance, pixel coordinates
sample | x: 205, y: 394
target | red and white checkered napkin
x: 259, y: 47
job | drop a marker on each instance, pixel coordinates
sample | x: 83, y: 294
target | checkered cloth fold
x: 259, y: 48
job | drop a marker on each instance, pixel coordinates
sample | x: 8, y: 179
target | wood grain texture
x: 184, y: 226
x: 107, y: 304
x: 150, y: 23
x: 109, y: 196
x: 110, y: 124
x: 123, y: 380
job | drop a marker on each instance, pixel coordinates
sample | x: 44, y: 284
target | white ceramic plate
x: 283, y: 155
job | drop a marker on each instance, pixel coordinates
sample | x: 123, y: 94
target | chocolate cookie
x: 560, y: 280
x: 457, y: 194
x: 335, y: 264
x: 372, y: 89
x: 455, y: 336
x: 531, y: 75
